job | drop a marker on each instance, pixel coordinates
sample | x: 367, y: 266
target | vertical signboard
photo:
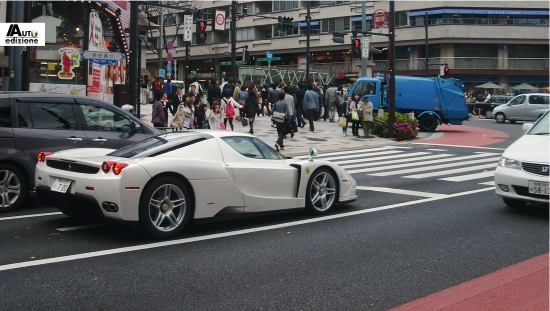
x: 187, y: 25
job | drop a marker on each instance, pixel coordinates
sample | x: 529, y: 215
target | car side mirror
x: 526, y: 126
x: 135, y: 127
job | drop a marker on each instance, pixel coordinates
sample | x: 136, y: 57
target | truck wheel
x: 500, y: 118
x: 488, y: 114
x: 428, y: 123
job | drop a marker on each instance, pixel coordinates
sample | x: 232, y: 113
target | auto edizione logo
x: 22, y: 34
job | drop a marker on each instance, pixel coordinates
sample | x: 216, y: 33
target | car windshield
x: 541, y: 127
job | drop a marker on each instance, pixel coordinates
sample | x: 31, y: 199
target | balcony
x: 486, y: 63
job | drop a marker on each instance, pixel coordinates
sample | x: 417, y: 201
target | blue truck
x: 433, y: 101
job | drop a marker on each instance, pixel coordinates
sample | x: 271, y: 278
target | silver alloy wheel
x: 167, y: 207
x: 499, y: 117
x: 322, y: 191
x: 10, y: 188
x: 488, y: 114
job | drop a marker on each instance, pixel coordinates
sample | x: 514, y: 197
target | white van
x: 524, y: 107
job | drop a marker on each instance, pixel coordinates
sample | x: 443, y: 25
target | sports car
x: 165, y: 180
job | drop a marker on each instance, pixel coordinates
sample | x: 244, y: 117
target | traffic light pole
x: 308, y: 35
x: 391, y: 99
x: 233, y: 26
x: 364, y: 29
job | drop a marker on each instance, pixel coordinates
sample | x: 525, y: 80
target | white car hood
x: 529, y: 148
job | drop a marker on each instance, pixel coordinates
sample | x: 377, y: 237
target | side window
x: 267, y: 151
x: 518, y: 100
x: 5, y: 113
x: 102, y: 119
x: 23, y: 115
x: 52, y: 116
x: 538, y: 100
x: 244, y: 146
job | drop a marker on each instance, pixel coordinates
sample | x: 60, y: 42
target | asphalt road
x: 407, y: 236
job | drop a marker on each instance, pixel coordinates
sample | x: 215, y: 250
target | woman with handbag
x: 250, y: 109
x: 215, y: 119
x: 182, y: 118
x: 281, y: 111
x: 228, y: 106
x: 345, y: 113
x: 355, y: 108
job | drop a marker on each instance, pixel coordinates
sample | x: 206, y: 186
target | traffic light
x: 338, y: 37
x: 355, y: 48
x: 200, y: 32
x: 446, y: 71
x: 284, y: 23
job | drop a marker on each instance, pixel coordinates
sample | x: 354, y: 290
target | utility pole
x: 308, y: 35
x: 426, y: 29
x: 364, y: 29
x: 233, y: 26
x: 161, y: 37
x: 134, y: 38
x: 18, y: 63
x: 391, y: 102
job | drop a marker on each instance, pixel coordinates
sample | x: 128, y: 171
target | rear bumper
x: 77, y: 202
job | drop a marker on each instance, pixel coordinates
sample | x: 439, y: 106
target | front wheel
x: 513, y: 203
x: 165, y: 208
x: 500, y: 118
x: 427, y: 123
x: 488, y: 114
x: 321, y: 192
x: 13, y: 188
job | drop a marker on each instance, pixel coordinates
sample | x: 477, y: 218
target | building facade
x: 503, y: 42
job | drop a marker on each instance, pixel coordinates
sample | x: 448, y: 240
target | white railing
x: 466, y: 63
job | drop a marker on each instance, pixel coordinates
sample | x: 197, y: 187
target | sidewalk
x: 327, y: 135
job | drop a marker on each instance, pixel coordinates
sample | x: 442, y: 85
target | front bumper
x: 517, y: 182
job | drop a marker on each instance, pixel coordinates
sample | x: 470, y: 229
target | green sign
x: 193, y: 72
x: 239, y: 62
x: 264, y: 59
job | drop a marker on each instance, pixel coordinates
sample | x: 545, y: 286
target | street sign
x: 365, y: 51
x: 379, y: 76
x: 187, y: 25
x: 379, y: 18
x: 162, y: 73
x: 169, y: 57
x: 269, y: 56
x: 102, y: 58
x: 169, y: 74
x: 220, y: 20
x: 169, y: 44
x: 169, y: 68
x: 264, y: 59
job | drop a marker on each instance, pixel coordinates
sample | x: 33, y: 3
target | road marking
x: 122, y: 250
x: 403, y: 191
x: 363, y: 155
x: 30, y: 216
x: 362, y: 151
x: 470, y: 177
x: 384, y: 163
x: 458, y: 161
x: 81, y: 227
x: 455, y: 171
x: 410, y: 157
x: 436, y: 149
x: 428, y: 143
x: 488, y: 183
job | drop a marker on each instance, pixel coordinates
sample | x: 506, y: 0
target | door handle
x: 99, y: 139
x: 75, y: 139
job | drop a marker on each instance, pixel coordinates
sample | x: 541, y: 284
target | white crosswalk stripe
x: 470, y: 177
x: 441, y: 166
x: 455, y: 171
x: 357, y: 151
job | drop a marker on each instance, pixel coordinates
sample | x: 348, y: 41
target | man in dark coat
x: 300, y: 105
x: 250, y: 108
x: 214, y: 93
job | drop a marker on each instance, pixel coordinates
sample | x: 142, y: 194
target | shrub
x: 403, y: 127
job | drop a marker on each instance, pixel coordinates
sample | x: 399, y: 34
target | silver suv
x: 525, y: 107
x: 31, y: 122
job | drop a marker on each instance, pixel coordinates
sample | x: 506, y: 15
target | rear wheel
x: 427, y: 123
x: 13, y: 188
x: 488, y: 114
x: 165, y: 208
x: 513, y: 203
x: 321, y: 192
x: 500, y: 118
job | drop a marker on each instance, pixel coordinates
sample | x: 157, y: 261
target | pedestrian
x: 228, y: 87
x: 311, y: 104
x: 214, y: 93
x: 228, y: 106
x: 158, y: 119
x: 198, y: 87
x: 215, y: 117
x: 190, y: 104
x: 179, y: 116
x: 282, y: 107
x: 166, y: 106
x: 200, y: 115
x: 250, y: 109
x: 345, y: 111
x: 144, y: 89
x: 367, y: 115
x: 167, y: 87
x: 176, y: 100
x: 289, y: 100
x: 355, y: 106
x: 329, y: 99
x: 236, y: 92
x: 300, y: 105
x: 265, y: 100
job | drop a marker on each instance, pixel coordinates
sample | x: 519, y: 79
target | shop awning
x: 358, y: 18
x: 312, y: 23
x: 476, y: 11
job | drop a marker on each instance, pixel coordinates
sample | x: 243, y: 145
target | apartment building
x: 505, y: 42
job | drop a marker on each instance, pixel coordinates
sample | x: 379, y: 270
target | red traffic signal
x: 202, y: 26
x: 356, y: 43
x: 356, y: 48
x: 446, y: 70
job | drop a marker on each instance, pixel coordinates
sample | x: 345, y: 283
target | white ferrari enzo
x: 165, y: 180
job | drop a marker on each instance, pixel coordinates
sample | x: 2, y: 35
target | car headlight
x: 509, y: 163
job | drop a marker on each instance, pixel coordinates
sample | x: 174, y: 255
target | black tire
x: 488, y: 114
x: 316, y: 186
x: 427, y: 123
x: 166, y: 227
x: 513, y: 203
x: 500, y: 117
x: 512, y: 121
x: 11, y: 178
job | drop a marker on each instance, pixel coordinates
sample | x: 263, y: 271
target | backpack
x: 228, y: 89
x: 338, y: 99
x: 242, y: 96
x: 229, y: 110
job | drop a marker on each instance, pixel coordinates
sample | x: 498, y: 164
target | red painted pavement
x: 523, y: 286
x: 463, y: 135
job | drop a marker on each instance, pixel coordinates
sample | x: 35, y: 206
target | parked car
x: 486, y: 109
x: 31, y: 122
x: 166, y: 180
x: 524, y: 107
x: 522, y: 172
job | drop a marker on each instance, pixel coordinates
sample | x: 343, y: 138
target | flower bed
x: 404, y: 128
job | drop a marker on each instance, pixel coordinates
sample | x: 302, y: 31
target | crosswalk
x: 410, y: 163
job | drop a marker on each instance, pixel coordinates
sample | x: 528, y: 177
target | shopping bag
x: 244, y: 122
x: 342, y: 122
x: 222, y: 126
x: 354, y: 115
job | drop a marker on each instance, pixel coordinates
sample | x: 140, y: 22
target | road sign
x: 169, y: 68
x: 379, y: 18
x: 162, y: 72
x: 102, y: 58
x: 220, y: 20
x: 269, y: 56
x: 169, y: 44
x: 187, y: 25
x: 169, y: 57
x: 264, y: 59
x: 365, y: 51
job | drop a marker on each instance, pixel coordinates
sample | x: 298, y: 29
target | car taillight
x: 42, y: 155
x: 116, y: 166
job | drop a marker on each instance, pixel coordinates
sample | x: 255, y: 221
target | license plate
x: 61, y: 185
x: 537, y: 187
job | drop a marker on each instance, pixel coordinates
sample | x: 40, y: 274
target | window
x: 336, y: 24
x: 291, y: 32
x: 5, y: 113
x: 538, y: 100
x: 244, y: 146
x: 170, y: 19
x: 52, y: 116
x: 517, y: 101
x: 248, y: 6
x: 284, y: 5
x: 365, y: 88
x: 244, y: 34
x: 101, y: 119
x: 401, y: 19
x: 267, y: 151
x: 23, y: 115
